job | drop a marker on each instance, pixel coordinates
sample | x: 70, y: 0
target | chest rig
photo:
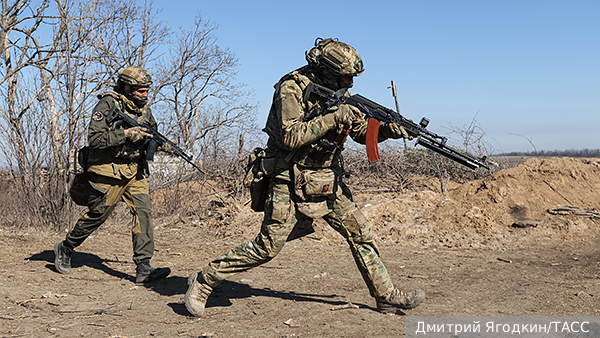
x: 129, y: 150
x: 326, y: 151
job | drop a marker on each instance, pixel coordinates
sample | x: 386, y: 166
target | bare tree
x: 196, y: 88
x: 20, y: 50
x: 57, y: 55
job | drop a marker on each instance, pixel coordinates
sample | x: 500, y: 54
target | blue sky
x: 529, y: 70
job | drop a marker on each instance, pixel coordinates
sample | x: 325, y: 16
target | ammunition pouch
x: 261, y: 164
x: 77, y: 178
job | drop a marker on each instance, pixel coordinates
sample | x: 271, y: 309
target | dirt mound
x: 510, y: 205
x: 528, y: 191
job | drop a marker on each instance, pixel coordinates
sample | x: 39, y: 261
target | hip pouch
x: 256, y: 179
x: 310, y: 183
x: 77, y: 179
x: 79, y: 189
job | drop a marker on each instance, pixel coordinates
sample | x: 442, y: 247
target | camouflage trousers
x: 105, y: 193
x: 281, y: 216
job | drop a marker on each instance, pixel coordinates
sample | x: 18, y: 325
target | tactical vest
x: 122, y: 160
x: 323, y: 153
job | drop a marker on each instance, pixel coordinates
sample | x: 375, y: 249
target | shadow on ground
x: 226, y: 291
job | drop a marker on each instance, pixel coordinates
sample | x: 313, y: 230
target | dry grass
x: 185, y: 192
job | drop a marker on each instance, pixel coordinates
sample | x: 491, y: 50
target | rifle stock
x: 158, y: 139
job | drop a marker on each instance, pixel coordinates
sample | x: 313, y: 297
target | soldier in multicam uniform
x: 304, y: 164
x: 115, y: 171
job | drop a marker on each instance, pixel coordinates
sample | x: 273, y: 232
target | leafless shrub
x: 402, y: 168
x: 197, y: 194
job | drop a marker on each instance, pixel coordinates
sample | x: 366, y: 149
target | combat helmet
x: 130, y: 78
x: 134, y: 76
x: 338, y: 57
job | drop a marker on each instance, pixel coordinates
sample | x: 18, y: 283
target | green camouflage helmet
x: 135, y: 76
x: 340, y: 58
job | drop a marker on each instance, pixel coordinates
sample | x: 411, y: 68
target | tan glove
x: 392, y: 130
x: 346, y: 114
x: 137, y: 134
x: 166, y: 147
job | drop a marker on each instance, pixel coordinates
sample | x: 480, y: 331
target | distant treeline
x: 565, y: 153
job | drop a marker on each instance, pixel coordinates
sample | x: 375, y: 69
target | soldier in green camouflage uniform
x: 115, y: 171
x: 304, y: 164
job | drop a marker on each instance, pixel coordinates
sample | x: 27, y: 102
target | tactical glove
x: 137, y: 134
x: 166, y: 147
x: 346, y: 114
x: 392, y: 130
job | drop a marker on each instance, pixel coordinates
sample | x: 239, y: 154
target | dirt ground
x: 500, y: 246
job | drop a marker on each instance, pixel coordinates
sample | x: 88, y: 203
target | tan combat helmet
x: 340, y: 58
x: 135, y: 76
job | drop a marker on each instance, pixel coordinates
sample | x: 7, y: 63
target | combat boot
x: 62, y: 258
x: 145, y: 273
x: 197, y: 294
x: 399, y: 300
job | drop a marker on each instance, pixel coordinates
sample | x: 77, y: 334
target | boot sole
x: 387, y: 308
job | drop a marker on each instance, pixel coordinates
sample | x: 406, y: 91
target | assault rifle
x: 157, y: 138
x: 376, y: 113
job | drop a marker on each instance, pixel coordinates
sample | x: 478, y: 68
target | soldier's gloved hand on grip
x: 136, y: 134
x: 392, y: 130
x: 346, y: 114
x: 166, y: 147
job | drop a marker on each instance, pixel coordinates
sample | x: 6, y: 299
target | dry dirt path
x: 292, y: 296
x: 485, y: 248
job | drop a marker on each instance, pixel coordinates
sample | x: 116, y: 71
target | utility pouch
x: 256, y: 180
x: 78, y: 160
x: 315, y: 190
x: 314, y: 183
x: 77, y: 180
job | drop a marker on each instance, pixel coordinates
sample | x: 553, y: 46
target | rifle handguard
x: 377, y: 113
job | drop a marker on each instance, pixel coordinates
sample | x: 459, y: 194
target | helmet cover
x: 338, y: 57
x: 136, y: 76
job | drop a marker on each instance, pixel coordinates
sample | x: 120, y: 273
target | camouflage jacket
x: 111, y: 153
x: 298, y: 139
